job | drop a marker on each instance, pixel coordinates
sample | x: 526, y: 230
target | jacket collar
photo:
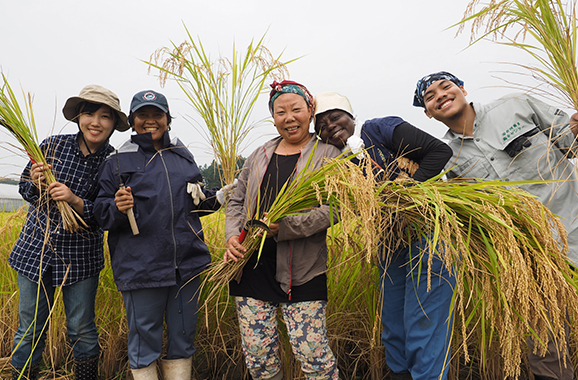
x: 451, y: 135
x: 271, y: 145
x: 145, y: 141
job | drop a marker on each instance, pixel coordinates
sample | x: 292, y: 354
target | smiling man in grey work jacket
x: 516, y: 137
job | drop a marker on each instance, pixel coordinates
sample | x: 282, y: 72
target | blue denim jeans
x: 416, y: 322
x: 78, y: 301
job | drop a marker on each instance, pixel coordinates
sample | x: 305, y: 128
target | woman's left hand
x: 60, y: 192
x: 273, y: 227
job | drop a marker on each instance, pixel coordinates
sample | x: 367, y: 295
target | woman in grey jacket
x: 290, y: 272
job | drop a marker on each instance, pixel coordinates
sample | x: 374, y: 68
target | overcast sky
x: 372, y: 51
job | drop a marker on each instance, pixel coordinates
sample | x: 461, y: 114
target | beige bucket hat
x: 94, y: 93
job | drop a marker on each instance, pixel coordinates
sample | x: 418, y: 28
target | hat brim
x: 69, y: 112
x: 334, y: 109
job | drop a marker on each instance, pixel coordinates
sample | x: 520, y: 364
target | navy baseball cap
x: 149, y: 98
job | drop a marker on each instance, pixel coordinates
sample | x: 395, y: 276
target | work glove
x: 225, y: 192
x: 196, y: 191
x: 355, y: 145
x: 520, y: 142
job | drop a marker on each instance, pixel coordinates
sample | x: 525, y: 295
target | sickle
x: 253, y: 223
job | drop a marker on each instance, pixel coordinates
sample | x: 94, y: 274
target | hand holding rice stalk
x: 551, y: 23
x: 223, y: 92
x: 22, y: 126
x: 304, y: 193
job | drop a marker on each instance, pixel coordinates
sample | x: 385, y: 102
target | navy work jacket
x: 170, y: 248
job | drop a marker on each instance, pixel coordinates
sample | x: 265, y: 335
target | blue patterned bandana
x: 289, y: 87
x: 426, y: 81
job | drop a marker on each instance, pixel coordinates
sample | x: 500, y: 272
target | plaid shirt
x: 79, y: 253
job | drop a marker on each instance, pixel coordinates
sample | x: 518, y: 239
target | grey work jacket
x: 496, y: 125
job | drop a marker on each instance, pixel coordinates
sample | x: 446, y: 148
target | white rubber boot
x: 177, y: 369
x: 146, y: 373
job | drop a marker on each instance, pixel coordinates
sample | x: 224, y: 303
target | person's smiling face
x: 151, y: 119
x: 335, y: 127
x: 444, y: 100
x: 292, y: 117
x: 97, y: 126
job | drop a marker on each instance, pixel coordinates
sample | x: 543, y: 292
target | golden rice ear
x: 215, y: 87
x: 486, y: 235
x: 505, y: 248
x: 553, y: 28
x: 21, y: 125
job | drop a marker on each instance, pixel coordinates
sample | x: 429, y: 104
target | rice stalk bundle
x: 552, y: 26
x: 507, y: 251
x: 223, y: 91
x: 307, y: 191
x: 353, y: 188
x: 23, y: 127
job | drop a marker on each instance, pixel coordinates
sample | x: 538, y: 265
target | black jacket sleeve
x: 429, y: 152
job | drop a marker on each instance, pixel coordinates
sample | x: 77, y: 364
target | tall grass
x: 21, y: 125
x: 57, y: 357
x: 10, y: 224
x: 551, y: 24
x: 218, y: 340
x: 223, y: 91
x: 352, y: 318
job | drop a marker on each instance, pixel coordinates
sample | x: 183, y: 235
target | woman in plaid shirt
x: 72, y: 260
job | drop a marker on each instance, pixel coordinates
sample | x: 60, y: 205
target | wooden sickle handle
x: 131, y: 218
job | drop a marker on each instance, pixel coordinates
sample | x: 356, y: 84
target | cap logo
x: 149, y: 96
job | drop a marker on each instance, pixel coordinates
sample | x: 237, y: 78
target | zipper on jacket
x: 172, y: 211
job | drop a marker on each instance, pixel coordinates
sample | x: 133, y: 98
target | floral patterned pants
x: 305, y: 322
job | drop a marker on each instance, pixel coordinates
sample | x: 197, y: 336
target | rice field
x: 353, y: 322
